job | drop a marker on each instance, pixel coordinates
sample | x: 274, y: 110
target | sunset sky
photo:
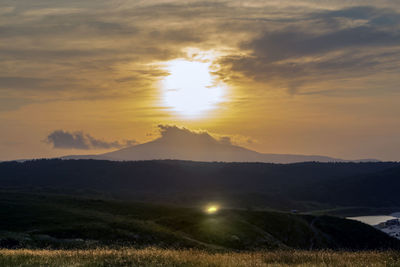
x: 299, y: 77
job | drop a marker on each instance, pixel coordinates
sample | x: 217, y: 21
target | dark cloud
x: 183, y: 35
x: 20, y: 82
x: 371, y: 15
x: 79, y: 140
x: 67, y: 25
x: 172, y: 133
x: 50, y: 55
x: 357, y: 12
x: 64, y: 139
x: 293, y: 43
x: 297, y: 55
x: 13, y: 103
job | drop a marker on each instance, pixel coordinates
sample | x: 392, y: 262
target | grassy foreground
x: 167, y: 257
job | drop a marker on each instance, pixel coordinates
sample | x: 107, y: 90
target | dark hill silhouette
x: 367, y: 189
x: 281, y: 186
x: 183, y: 144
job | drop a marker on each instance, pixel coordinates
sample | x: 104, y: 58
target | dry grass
x: 165, y: 257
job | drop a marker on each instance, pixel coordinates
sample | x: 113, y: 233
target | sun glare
x: 212, y: 209
x: 190, y: 89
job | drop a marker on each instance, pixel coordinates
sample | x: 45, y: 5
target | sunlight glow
x: 212, y: 209
x: 190, y: 89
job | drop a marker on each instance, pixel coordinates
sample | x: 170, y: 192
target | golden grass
x: 167, y: 257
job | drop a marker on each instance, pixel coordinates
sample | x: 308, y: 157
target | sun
x: 190, y: 90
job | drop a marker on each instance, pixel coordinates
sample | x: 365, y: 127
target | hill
x: 53, y: 221
x: 304, y: 186
x: 368, y: 189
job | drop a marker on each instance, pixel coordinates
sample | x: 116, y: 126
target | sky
x: 299, y: 77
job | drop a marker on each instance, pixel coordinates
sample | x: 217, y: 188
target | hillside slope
x: 31, y: 220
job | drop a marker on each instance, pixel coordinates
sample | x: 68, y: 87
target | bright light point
x: 190, y: 89
x: 212, y: 209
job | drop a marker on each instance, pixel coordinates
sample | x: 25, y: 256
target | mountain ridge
x: 302, y: 186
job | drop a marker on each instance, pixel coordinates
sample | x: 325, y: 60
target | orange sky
x: 303, y: 78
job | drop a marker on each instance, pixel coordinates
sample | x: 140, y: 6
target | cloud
x: 175, y: 134
x: 370, y: 15
x: 79, y: 140
x: 320, y: 46
x: 292, y: 43
x: 172, y: 133
x: 64, y: 50
x: 20, y: 82
x: 13, y: 103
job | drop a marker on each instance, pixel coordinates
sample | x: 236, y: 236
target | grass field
x: 163, y: 257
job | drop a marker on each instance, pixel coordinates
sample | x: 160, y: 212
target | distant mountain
x: 182, y: 144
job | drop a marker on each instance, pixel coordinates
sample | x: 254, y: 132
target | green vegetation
x: 65, y: 222
x: 161, y: 257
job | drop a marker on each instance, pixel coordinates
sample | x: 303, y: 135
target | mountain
x: 182, y: 144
